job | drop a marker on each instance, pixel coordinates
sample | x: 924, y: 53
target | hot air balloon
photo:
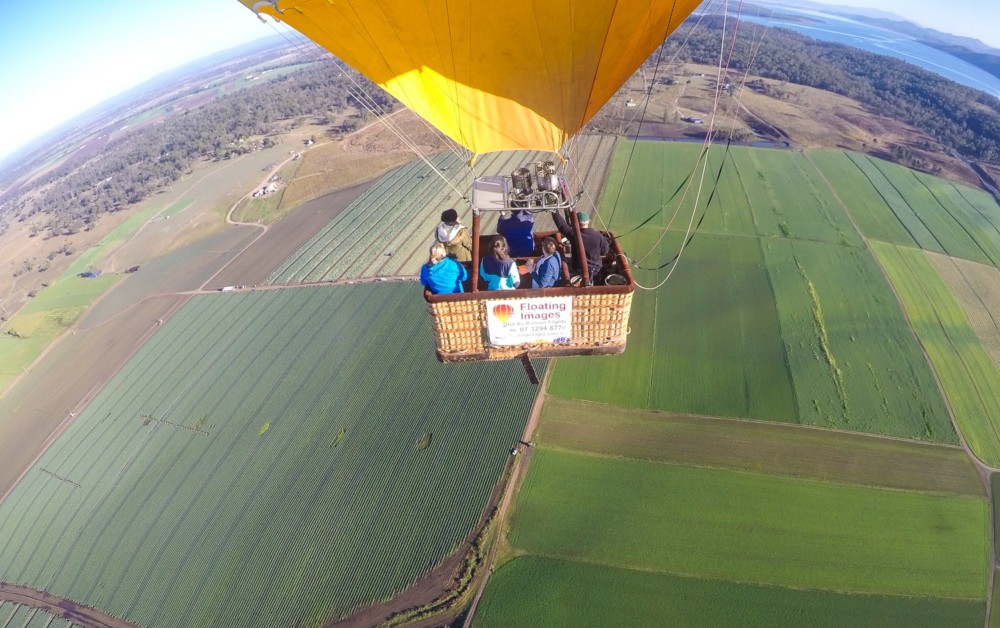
x: 505, y: 75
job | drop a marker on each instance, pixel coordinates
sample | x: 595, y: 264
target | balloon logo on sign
x: 502, y: 312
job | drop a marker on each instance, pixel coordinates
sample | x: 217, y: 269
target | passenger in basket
x: 595, y: 246
x: 546, y: 271
x: 519, y: 229
x: 454, y: 236
x: 497, y: 268
x: 442, y: 274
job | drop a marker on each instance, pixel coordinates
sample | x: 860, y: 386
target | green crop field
x: 388, y: 229
x: 268, y: 458
x: 756, y: 446
x: 853, y: 359
x: 969, y: 377
x: 537, y: 591
x: 708, y: 344
x: 45, y: 318
x: 752, y: 527
x: 897, y: 205
x: 93, y: 256
x: 753, y: 322
x: 22, y: 616
x: 790, y: 198
x: 641, y: 507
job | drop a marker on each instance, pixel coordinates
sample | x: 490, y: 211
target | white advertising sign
x: 529, y: 321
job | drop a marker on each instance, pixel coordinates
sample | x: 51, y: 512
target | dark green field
x: 537, y: 591
x: 755, y: 320
x: 756, y: 446
x: 752, y: 527
x: 255, y: 464
x: 652, y: 501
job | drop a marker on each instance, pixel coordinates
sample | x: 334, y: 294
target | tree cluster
x: 136, y: 164
x: 959, y: 117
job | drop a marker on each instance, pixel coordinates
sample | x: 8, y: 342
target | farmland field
x: 752, y: 321
x: 45, y: 318
x: 752, y: 527
x: 756, y: 446
x: 969, y: 377
x: 728, y: 360
x: 853, y: 359
x: 901, y: 206
x: 22, y: 616
x: 255, y: 464
x: 177, y: 271
x: 537, y: 591
x: 388, y: 229
x: 977, y: 289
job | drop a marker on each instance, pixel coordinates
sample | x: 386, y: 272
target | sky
x: 979, y: 19
x: 62, y: 57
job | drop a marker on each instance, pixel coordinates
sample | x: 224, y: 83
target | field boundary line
x: 518, y: 473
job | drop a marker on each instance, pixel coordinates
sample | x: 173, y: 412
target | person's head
x: 449, y: 216
x: 499, y: 247
x: 584, y: 219
x: 438, y: 253
x: 548, y: 246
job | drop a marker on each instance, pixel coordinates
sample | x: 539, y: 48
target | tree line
x: 959, y: 117
x: 136, y: 164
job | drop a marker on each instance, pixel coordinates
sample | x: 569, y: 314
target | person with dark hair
x: 454, y: 236
x: 546, y: 271
x: 519, y: 229
x: 497, y: 268
x: 595, y: 246
x: 442, y: 274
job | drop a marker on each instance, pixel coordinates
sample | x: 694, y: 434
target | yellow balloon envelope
x: 491, y: 74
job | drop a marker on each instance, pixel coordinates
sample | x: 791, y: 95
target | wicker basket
x: 599, y: 323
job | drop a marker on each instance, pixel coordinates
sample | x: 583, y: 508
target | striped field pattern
x: 388, y: 229
x: 268, y: 458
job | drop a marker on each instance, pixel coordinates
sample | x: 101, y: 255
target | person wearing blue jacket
x: 546, y: 272
x: 442, y: 274
x: 519, y: 229
x: 497, y: 268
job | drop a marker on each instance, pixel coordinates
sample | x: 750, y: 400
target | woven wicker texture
x: 600, y: 325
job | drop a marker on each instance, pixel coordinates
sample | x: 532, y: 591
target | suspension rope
x: 724, y: 64
x: 367, y: 102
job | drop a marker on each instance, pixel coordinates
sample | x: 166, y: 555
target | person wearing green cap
x: 595, y: 246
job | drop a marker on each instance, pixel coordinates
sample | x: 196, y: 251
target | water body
x: 843, y: 30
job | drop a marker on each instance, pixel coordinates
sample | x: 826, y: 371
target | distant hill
x: 141, y: 92
x: 967, y: 49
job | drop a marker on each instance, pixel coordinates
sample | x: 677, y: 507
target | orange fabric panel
x: 491, y: 74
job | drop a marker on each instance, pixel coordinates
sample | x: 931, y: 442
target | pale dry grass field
x: 360, y: 157
x: 977, y: 289
x: 804, y: 117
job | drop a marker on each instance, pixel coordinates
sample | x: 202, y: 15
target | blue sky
x: 61, y: 57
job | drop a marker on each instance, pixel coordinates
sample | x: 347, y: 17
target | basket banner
x: 529, y: 321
